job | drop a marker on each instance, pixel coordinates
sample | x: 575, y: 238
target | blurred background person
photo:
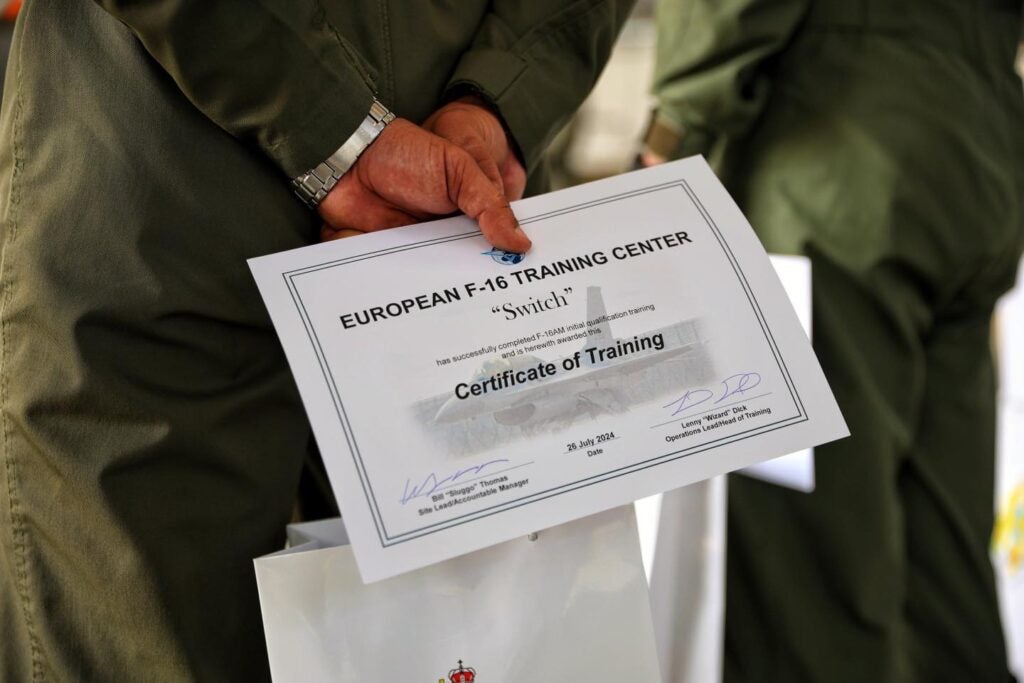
x: 884, y: 139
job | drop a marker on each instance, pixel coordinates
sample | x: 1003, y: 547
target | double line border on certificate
x: 386, y: 539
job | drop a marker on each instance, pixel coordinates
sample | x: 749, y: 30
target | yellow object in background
x: 1008, y: 537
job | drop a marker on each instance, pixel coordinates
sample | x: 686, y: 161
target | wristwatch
x: 313, y: 185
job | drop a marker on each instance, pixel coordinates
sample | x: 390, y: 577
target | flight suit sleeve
x: 272, y: 73
x: 710, y: 78
x: 536, y: 60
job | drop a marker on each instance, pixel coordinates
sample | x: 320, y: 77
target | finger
x: 471, y: 125
x: 513, y: 177
x: 350, y: 205
x: 383, y: 217
x: 327, y: 233
x: 649, y: 158
x: 481, y: 155
x: 477, y: 197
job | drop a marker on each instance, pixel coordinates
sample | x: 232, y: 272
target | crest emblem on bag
x: 463, y: 674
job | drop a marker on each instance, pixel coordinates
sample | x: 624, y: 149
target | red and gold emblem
x: 463, y: 674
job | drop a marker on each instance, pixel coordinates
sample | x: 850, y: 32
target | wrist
x: 313, y: 185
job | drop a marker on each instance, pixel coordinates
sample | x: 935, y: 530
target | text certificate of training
x: 462, y: 396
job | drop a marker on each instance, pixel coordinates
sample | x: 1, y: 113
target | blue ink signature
x: 733, y: 385
x: 432, y: 483
x: 691, y: 399
x: 739, y: 383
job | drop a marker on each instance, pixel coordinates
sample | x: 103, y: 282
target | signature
x: 432, y: 482
x: 734, y: 385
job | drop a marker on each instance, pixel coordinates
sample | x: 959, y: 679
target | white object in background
x: 612, y: 118
x: 682, y: 538
x: 686, y: 570
x: 570, y: 606
x: 1008, y: 540
x: 1010, y: 341
x: 796, y: 470
x: 648, y: 521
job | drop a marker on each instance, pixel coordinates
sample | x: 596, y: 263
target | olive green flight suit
x: 151, y: 435
x: 884, y: 139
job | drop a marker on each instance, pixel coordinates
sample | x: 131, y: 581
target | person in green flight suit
x: 151, y: 436
x: 883, y: 139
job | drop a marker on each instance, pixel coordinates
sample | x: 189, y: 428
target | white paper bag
x: 571, y: 605
x: 796, y: 470
x: 1008, y: 539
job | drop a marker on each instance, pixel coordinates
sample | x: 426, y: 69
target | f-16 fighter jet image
x: 609, y: 375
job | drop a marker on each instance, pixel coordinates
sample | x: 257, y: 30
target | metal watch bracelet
x: 313, y: 185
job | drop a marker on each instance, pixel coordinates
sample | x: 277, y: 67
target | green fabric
x: 295, y: 78
x: 152, y: 436
x: 520, y: 62
x: 886, y: 144
x: 272, y: 72
x: 708, y: 75
x: 672, y: 140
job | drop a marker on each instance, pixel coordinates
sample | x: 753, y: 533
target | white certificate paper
x: 462, y: 397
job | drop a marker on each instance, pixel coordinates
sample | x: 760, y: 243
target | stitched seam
x: 389, y: 71
x: 355, y: 59
x: 18, y: 531
x: 318, y: 114
x: 286, y: 137
x: 562, y: 21
x: 567, y: 20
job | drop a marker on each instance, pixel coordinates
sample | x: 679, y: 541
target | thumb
x: 478, y: 197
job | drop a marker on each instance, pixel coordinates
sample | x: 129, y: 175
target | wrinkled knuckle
x: 460, y: 155
x: 477, y: 148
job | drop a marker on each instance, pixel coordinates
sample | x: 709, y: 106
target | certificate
x: 462, y: 396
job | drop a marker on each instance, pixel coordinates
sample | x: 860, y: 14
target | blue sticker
x: 505, y: 258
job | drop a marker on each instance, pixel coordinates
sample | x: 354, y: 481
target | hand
x: 473, y: 126
x: 408, y: 175
x: 649, y: 158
